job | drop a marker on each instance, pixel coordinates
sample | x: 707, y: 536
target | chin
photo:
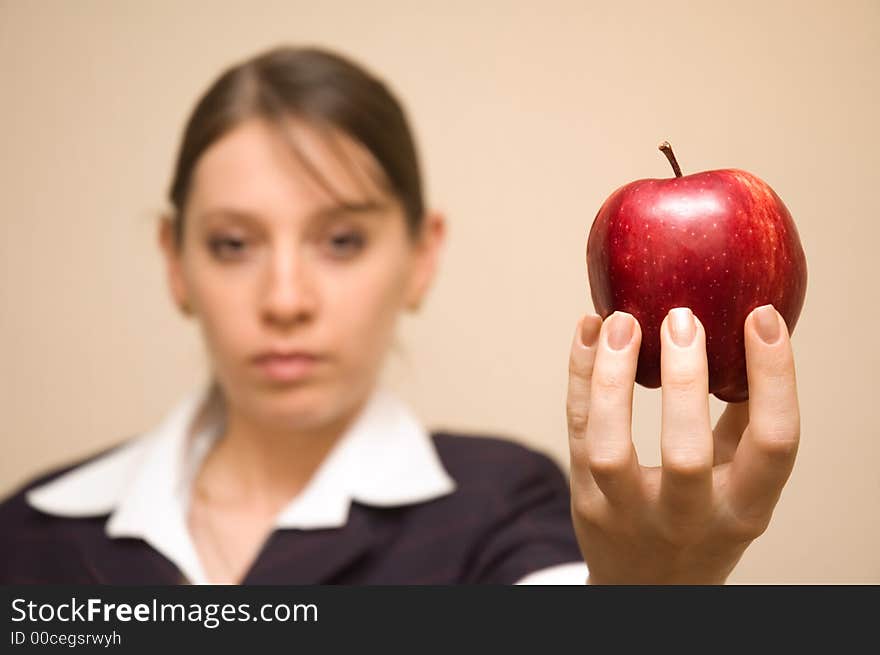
x: 298, y: 407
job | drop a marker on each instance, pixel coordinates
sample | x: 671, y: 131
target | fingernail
x: 767, y: 324
x: 682, y: 326
x: 590, y: 329
x: 620, y: 330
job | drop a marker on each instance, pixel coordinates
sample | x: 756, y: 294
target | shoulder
x: 499, y: 470
x: 473, y: 457
x: 518, y: 503
x: 38, y: 547
x: 48, y: 475
x: 17, y: 515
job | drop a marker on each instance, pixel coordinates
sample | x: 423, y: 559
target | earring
x: 186, y: 308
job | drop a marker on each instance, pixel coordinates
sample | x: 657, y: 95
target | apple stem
x: 667, y: 150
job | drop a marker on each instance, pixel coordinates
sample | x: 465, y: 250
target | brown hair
x: 325, y: 89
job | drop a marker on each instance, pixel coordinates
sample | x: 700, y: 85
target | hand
x: 689, y: 520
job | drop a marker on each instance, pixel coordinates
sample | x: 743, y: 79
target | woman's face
x: 271, y: 261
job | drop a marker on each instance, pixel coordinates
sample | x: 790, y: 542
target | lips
x: 283, y: 366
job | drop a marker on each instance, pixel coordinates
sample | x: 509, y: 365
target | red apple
x: 720, y: 242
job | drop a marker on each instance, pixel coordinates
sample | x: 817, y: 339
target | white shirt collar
x: 386, y: 458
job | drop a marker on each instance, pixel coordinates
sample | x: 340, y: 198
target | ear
x: 173, y: 264
x: 430, y: 244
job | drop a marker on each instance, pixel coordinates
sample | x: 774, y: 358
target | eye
x: 227, y: 247
x: 346, y: 243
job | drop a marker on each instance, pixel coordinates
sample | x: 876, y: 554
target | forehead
x: 269, y: 169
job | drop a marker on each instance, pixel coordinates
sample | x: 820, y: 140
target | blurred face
x: 297, y: 294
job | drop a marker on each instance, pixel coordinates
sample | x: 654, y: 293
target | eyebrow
x: 358, y: 208
x: 333, y: 211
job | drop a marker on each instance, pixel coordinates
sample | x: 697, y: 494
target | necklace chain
x: 214, y: 539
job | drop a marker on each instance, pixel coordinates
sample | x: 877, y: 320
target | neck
x: 257, y: 466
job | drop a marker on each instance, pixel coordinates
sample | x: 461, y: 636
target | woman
x: 298, y: 235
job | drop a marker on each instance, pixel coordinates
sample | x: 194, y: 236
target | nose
x: 290, y: 296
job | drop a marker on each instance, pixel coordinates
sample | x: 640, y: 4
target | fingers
x: 766, y: 453
x: 728, y: 430
x: 610, y: 453
x: 686, y: 446
x: 580, y: 371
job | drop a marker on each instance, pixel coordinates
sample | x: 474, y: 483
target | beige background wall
x: 528, y: 116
